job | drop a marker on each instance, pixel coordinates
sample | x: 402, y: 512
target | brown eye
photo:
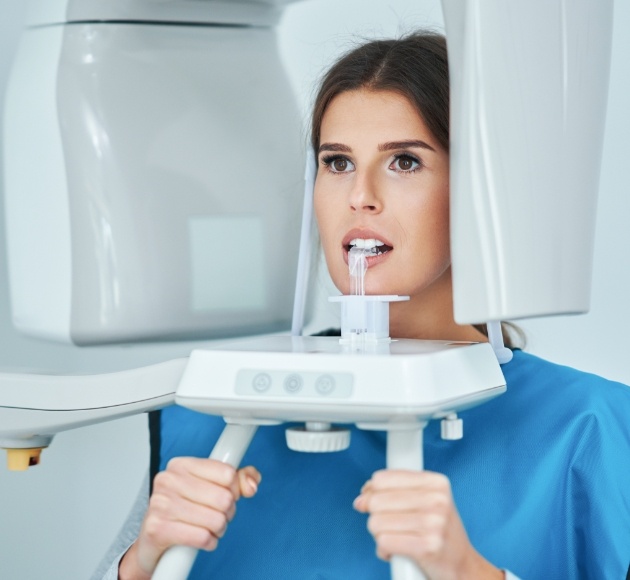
x: 340, y: 164
x: 405, y: 164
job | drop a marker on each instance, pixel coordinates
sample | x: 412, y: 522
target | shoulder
x: 559, y: 439
x: 533, y: 375
x: 562, y: 402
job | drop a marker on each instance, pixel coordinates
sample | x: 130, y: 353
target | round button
x: 293, y: 383
x: 261, y: 382
x: 325, y: 385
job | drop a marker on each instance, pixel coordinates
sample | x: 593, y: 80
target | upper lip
x: 364, y: 234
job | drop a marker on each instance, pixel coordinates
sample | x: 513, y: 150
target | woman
x: 538, y: 486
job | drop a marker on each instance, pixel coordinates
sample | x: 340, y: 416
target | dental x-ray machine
x: 141, y: 136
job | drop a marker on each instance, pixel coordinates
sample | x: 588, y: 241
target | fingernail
x: 358, y: 502
x: 253, y: 484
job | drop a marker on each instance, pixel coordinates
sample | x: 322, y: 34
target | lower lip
x: 371, y: 260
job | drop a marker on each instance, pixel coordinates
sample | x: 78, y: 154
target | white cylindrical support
x: 317, y: 437
x: 404, y: 451
x: 365, y: 317
x: 495, y: 336
x: 304, y: 256
x: 176, y: 562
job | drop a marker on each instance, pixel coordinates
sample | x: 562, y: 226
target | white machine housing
x: 379, y: 386
x: 528, y: 105
x: 153, y: 172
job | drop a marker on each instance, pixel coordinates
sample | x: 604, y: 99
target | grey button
x: 261, y: 382
x: 325, y: 385
x: 293, y: 383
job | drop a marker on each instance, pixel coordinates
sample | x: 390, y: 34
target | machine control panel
x: 282, y: 383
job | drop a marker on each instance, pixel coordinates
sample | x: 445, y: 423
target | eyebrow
x: 389, y: 146
x: 404, y: 145
x: 334, y: 147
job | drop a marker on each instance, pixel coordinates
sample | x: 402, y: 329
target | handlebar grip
x: 404, y: 451
x: 177, y: 561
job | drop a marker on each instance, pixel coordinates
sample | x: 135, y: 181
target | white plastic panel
x: 162, y: 126
x: 33, y: 405
x: 529, y: 85
x: 254, y: 380
x: 36, y: 191
x: 243, y: 255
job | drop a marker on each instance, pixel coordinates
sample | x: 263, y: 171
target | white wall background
x: 57, y: 520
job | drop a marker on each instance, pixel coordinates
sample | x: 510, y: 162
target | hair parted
x: 415, y: 66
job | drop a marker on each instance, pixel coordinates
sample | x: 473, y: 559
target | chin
x: 373, y: 285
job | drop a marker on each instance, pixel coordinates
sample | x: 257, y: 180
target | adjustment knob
x: 315, y: 439
x: 452, y: 427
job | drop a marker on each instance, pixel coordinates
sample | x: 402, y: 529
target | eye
x: 405, y: 163
x: 337, y: 164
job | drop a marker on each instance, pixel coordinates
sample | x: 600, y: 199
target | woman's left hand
x: 412, y: 514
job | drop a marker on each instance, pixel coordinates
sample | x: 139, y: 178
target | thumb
x: 248, y: 480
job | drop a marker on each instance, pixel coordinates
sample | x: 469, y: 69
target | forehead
x: 361, y: 113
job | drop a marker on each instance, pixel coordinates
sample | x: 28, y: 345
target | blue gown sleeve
x: 600, y: 486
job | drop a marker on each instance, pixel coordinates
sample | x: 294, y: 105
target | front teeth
x: 367, y: 244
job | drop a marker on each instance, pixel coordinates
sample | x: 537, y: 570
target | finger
x: 164, y: 535
x: 414, y: 524
x: 205, y: 469
x: 203, y: 492
x: 416, y: 500
x: 249, y: 479
x: 411, y: 546
x: 398, y: 479
x: 183, y: 511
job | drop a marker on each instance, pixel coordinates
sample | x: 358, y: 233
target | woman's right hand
x: 192, y: 502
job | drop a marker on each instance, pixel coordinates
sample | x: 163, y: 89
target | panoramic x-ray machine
x: 153, y: 168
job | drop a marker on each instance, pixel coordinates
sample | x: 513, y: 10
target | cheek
x: 441, y: 221
x: 441, y: 234
x: 325, y: 221
x: 429, y: 225
x: 327, y: 214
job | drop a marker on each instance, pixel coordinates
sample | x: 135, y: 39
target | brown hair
x: 415, y: 66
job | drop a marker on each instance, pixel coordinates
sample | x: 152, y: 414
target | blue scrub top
x: 541, y: 480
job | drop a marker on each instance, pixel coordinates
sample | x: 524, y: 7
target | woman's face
x: 382, y: 177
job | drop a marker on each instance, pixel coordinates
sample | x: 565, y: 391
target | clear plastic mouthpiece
x: 364, y: 319
x: 357, y: 266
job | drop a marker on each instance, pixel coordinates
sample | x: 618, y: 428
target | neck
x: 429, y: 315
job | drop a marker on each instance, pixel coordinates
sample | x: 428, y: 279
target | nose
x: 364, y: 196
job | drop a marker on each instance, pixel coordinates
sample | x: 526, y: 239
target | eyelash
x: 328, y: 160
x: 413, y: 158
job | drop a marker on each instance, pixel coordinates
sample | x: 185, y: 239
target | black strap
x: 328, y: 332
x: 155, y: 442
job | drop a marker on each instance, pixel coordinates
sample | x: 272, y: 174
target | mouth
x: 373, y: 246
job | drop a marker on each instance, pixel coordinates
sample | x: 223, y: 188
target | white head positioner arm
x: 143, y: 145
x: 529, y: 85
